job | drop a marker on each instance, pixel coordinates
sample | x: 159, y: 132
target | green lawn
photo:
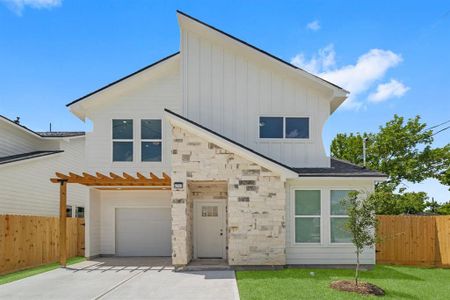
x: 37, y: 270
x: 398, y: 283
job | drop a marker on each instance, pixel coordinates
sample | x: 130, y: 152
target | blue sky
x: 394, y: 56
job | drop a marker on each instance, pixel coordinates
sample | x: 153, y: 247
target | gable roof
x: 123, y: 78
x: 227, y: 143
x: 267, y: 54
x: 339, y: 168
x: 42, y: 134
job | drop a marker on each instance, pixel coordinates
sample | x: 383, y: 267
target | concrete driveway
x: 124, y: 278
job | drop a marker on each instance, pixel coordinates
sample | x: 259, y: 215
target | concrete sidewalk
x: 124, y: 278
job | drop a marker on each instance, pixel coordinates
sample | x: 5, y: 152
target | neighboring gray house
x: 28, y: 159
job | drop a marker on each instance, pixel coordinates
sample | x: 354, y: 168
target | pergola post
x: 62, y: 222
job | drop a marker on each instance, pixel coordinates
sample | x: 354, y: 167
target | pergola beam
x: 113, y: 179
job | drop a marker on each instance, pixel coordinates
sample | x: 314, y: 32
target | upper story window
x: 284, y: 127
x: 122, y: 134
x: 338, y: 217
x: 151, y: 140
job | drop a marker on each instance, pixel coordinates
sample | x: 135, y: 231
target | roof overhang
x: 230, y: 145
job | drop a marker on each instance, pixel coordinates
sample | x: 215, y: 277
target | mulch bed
x: 363, y: 288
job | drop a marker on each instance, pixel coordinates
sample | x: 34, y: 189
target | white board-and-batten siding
x: 26, y: 188
x: 227, y: 91
x: 142, y: 97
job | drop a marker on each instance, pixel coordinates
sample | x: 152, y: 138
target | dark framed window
x: 297, y: 128
x: 69, y: 211
x: 122, y: 134
x: 271, y: 127
x: 284, y: 127
x: 151, y: 140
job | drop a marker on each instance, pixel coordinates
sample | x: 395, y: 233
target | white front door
x: 209, y: 229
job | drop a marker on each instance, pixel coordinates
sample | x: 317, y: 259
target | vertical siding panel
x: 205, y: 83
x: 193, y: 77
x: 241, y: 100
x: 229, y: 92
x: 252, y: 105
x: 217, y: 88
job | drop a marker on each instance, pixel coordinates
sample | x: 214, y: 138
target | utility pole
x: 364, y: 151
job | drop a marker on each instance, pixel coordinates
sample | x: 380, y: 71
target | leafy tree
x: 389, y: 203
x: 403, y: 151
x: 444, y: 209
x: 361, y: 223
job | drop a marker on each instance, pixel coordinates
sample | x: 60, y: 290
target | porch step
x: 189, y: 268
x: 206, y: 265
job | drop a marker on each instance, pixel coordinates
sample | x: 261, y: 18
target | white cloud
x: 323, y: 60
x: 357, y: 78
x: 19, y: 5
x: 388, y: 90
x: 314, y: 25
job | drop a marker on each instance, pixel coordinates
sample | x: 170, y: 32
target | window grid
x: 336, y: 216
x: 147, y: 140
x: 317, y: 216
x: 116, y: 141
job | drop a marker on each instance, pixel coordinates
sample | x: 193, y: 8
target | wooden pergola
x: 103, y: 182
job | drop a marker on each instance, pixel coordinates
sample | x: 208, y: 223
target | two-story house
x: 238, y: 130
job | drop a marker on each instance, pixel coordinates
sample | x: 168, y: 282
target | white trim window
x: 338, y: 217
x: 122, y: 140
x: 283, y: 127
x: 307, y: 215
x: 79, y: 212
x: 151, y: 140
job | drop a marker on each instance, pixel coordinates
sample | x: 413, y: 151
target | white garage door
x: 143, y: 232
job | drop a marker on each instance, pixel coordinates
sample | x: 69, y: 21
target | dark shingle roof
x: 45, y: 134
x: 28, y: 155
x: 339, y: 168
x: 60, y: 133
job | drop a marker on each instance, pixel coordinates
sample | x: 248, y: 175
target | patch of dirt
x: 363, y: 288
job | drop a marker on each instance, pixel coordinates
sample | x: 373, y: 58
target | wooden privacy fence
x: 414, y: 240
x: 29, y: 241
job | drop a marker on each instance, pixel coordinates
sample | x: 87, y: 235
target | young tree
x: 361, y: 223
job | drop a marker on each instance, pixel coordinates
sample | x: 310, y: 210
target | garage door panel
x: 143, y: 232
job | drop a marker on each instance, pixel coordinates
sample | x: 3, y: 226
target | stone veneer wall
x: 256, y: 202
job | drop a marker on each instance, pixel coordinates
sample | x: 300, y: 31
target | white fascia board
x: 236, y: 149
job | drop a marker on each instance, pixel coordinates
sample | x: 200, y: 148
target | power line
x: 429, y: 128
x: 441, y: 130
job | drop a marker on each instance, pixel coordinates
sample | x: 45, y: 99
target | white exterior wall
x: 93, y: 224
x: 143, y: 97
x: 109, y: 201
x: 15, y: 140
x: 226, y: 90
x: 26, y: 188
x: 326, y: 252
